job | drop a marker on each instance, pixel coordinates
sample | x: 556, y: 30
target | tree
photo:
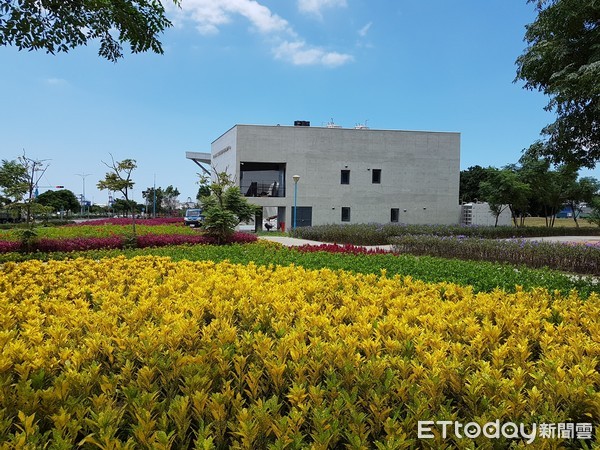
x: 61, y: 200
x: 548, y: 186
x: 470, y: 180
x: 14, y: 181
x: 225, y: 207
x: 580, y: 192
x: 504, y: 188
x: 59, y: 26
x: 18, y: 180
x: 594, y: 217
x: 154, y: 199
x: 119, y: 180
x: 562, y: 60
x: 170, y: 199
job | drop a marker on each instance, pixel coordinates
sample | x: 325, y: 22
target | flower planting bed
x: 576, y: 258
x: 151, y: 353
x: 380, y: 234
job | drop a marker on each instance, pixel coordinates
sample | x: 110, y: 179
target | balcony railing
x: 259, y: 189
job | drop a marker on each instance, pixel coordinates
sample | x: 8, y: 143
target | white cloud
x: 210, y: 15
x: 315, y: 6
x: 364, y: 30
x: 56, y: 81
x: 299, y: 54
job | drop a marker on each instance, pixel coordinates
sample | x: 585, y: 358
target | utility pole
x: 154, y: 201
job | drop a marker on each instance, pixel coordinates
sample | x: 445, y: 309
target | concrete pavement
x: 295, y: 242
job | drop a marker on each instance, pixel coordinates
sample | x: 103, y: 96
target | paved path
x: 295, y: 242
x: 567, y: 239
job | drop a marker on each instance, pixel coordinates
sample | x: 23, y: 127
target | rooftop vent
x: 301, y: 123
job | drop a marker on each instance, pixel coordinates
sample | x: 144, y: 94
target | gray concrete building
x: 347, y: 175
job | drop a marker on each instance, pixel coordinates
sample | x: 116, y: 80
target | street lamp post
x: 296, y: 178
x: 83, y: 175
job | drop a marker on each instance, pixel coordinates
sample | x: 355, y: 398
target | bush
x: 378, y: 234
x: 575, y: 258
x: 151, y: 353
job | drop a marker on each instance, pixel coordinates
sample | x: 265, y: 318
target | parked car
x: 193, y: 217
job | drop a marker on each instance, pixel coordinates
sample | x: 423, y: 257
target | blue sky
x: 392, y: 64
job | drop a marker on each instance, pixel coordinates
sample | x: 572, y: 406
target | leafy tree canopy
x: 14, y: 180
x: 61, y: 200
x: 562, y: 60
x: 470, y: 180
x: 225, y: 207
x: 61, y: 25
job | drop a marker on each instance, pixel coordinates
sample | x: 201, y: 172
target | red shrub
x: 78, y: 244
x: 9, y: 246
x: 127, y: 221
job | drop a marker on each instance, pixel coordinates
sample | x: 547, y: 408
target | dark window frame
x: 395, y: 215
x: 376, y: 176
x: 345, y: 176
x: 345, y: 214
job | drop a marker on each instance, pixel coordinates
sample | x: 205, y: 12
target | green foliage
x: 483, y: 276
x: 594, y: 217
x: 574, y: 258
x: 14, y: 180
x: 377, y: 234
x: 59, y: 26
x: 561, y: 60
x: 503, y: 187
x: 61, y: 200
x: 225, y: 207
x: 470, y: 180
x: 119, y: 180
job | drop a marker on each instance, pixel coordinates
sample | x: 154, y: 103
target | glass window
x: 395, y: 216
x: 345, y: 177
x: 345, y: 214
x: 376, y: 176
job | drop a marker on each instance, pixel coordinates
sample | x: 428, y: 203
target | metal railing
x: 259, y: 189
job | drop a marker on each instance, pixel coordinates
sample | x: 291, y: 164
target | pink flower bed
x: 156, y: 240
x: 112, y: 242
x: 127, y: 221
x: 162, y: 240
x: 78, y: 244
x: 346, y: 248
x: 9, y: 246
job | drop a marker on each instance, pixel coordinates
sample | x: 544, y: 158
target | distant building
x: 346, y: 175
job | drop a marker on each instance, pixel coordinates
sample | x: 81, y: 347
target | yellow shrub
x: 151, y: 352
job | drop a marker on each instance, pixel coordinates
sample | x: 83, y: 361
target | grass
x: 558, y: 223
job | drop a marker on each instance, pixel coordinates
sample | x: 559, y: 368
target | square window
x: 345, y: 177
x: 395, y: 216
x: 376, y: 176
x: 345, y: 214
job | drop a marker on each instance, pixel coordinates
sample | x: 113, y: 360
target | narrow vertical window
x: 376, y: 176
x: 345, y: 177
x: 395, y: 216
x: 345, y: 214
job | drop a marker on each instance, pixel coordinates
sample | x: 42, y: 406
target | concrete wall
x: 419, y: 170
x: 480, y: 214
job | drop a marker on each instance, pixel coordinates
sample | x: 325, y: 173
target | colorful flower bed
x: 584, y: 259
x: 127, y: 221
x: 380, y: 234
x: 152, y: 353
x: 118, y: 242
